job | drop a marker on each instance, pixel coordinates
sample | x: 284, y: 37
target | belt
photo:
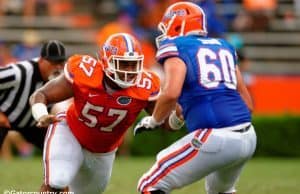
x: 242, y: 130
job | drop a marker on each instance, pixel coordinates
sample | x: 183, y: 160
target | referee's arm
x: 8, y: 80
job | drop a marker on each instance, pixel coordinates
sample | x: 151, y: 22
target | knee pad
x: 60, y: 181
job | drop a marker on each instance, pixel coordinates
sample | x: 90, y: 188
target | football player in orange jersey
x: 108, y: 95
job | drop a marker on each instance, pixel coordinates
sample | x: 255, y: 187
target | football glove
x: 148, y: 123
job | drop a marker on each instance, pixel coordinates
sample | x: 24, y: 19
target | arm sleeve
x: 166, y: 50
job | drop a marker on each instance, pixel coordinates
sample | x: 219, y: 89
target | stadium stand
x: 276, y: 50
x: 272, y: 51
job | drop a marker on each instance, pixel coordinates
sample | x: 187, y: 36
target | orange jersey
x: 98, y: 119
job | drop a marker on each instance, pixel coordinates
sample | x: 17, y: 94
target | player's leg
x: 223, y: 180
x: 62, y: 157
x: 180, y: 164
x: 191, y: 158
x: 94, y: 173
x: 46, y: 188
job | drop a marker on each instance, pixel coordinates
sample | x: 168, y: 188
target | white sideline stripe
x: 166, y: 164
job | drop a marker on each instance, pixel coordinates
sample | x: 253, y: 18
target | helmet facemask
x: 123, y: 59
x: 125, y: 71
x: 164, y: 30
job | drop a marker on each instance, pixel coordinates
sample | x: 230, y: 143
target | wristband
x: 153, y: 123
x: 174, y: 121
x: 38, y: 110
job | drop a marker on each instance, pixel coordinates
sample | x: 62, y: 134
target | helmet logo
x: 179, y: 12
x: 112, y: 49
x: 196, y: 143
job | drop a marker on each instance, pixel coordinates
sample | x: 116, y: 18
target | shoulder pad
x: 166, y: 50
x: 147, y: 89
x: 83, y: 70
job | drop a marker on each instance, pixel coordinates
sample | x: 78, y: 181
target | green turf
x: 260, y: 176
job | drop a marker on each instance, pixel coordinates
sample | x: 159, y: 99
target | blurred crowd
x: 139, y: 17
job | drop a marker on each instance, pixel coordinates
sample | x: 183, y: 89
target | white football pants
x: 217, y: 154
x: 66, y: 163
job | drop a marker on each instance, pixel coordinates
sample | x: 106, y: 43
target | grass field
x: 261, y: 176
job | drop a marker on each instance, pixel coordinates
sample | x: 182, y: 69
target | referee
x: 18, y: 81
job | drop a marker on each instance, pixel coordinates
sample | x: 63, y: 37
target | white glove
x: 148, y: 123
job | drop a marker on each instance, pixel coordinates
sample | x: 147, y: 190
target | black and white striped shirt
x: 17, y: 82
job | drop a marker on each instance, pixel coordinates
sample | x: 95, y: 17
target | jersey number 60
x: 216, y: 67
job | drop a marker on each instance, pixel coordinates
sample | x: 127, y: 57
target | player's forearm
x: 38, y: 103
x: 242, y: 89
x: 37, y: 97
x: 164, y: 105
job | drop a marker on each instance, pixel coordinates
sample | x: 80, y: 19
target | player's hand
x: 46, y: 120
x: 148, y: 123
